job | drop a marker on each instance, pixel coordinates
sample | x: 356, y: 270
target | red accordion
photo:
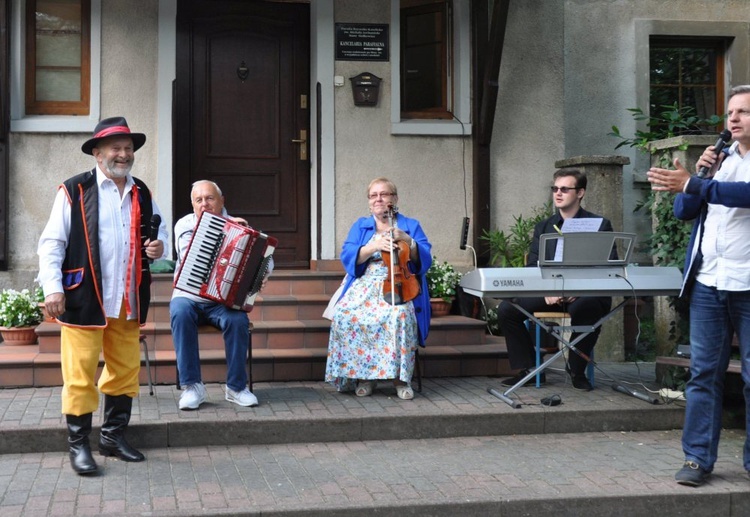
x: 225, y: 262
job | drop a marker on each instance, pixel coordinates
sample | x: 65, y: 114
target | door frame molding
x: 4, y: 133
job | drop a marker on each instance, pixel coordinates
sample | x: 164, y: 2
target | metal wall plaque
x: 362, y: 42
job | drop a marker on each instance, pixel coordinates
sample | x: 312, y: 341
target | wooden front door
x: 241, y: 98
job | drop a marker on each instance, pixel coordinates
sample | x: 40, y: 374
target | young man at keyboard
x: 189, y: 311
x: 567, y: 193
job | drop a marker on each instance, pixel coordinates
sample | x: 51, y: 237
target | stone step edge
x: 323, y: 325
x: 248, y: 428
x: 269, y: 299
x: 31, y: 354
x: 42, y: 369
x: 278, y: 274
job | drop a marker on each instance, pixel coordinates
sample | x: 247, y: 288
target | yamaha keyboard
x: 509, y: 282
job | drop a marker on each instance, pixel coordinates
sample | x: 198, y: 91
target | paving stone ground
x: 454, y: 450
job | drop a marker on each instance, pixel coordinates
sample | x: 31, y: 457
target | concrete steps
x: 290, y: 339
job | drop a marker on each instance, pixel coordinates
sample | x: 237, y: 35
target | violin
x: 401, y: 285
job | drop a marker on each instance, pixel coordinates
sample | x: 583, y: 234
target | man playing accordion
x: 189, y: 311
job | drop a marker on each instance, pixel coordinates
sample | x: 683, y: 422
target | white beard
x: 117, y: 172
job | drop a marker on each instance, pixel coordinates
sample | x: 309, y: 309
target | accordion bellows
x: 225, y: 262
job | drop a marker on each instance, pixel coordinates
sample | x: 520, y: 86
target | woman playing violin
x: 372, y: 339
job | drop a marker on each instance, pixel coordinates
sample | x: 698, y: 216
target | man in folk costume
x: 93, y: 267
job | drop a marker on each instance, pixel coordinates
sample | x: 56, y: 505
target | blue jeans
x: 185, y: 317
x: 714, y: 317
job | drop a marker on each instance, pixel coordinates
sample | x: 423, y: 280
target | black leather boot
x: 79, y: 428
x: 112, y: 438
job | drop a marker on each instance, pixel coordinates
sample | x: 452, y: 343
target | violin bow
x: 391, y: 211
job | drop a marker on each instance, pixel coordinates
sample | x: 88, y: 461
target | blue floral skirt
x: 370, y: 339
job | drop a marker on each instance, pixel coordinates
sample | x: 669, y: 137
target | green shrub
x: 510, y: 249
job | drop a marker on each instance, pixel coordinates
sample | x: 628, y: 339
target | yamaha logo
x: 507, y: 283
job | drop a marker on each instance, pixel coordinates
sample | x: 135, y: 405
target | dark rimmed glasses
x: 564, y: 190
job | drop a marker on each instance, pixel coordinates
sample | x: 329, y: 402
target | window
x: 425, y: 60
x: 55, y: 61
x: 57, y: 57
x: 688, y: 72
x: 431, y: 67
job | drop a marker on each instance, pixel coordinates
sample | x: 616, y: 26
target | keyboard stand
x: 557, y: 332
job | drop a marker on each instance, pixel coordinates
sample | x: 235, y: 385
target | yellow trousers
x: 80, y: 348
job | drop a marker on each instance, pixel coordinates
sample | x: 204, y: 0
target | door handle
x: 302, y: 141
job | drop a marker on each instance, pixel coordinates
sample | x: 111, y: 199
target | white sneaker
x: 193, y: 396
x: 242, y: 398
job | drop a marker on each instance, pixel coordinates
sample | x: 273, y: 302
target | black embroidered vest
x: 81, y: 269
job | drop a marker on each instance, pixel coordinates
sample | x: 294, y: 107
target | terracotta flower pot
x: 440, y: 307
x: 17, y: 336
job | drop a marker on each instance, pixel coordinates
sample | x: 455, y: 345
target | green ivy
x: 669, y: 239
x: 670, y: 236
x: 669, y: 121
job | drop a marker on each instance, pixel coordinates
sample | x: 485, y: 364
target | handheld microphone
x: 724, y: 138
x: 152, y: 234
x: 464, y: 233
x: 633, y: 393
x: 153, y: 229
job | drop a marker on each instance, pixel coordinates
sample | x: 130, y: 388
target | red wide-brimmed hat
x: 115, y: 126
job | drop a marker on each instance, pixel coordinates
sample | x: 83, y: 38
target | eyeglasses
x: 564, y: 190
x: 384, y: 195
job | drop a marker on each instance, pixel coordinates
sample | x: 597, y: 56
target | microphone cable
x: 466, y: 219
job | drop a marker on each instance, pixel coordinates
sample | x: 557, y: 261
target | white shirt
x: 726, y: 233
x: 114, y: 244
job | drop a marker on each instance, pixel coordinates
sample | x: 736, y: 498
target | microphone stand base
x: 501, y: 395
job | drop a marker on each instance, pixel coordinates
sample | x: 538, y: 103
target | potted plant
x: 442, y: 280
x: 510, y: 249
x: 19, y: 315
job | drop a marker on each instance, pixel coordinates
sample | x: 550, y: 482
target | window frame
x: 20, y: 120
x: 37, y: 107
x: 700, y: 42
x: 459, y: 74
x: 446, y: 61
